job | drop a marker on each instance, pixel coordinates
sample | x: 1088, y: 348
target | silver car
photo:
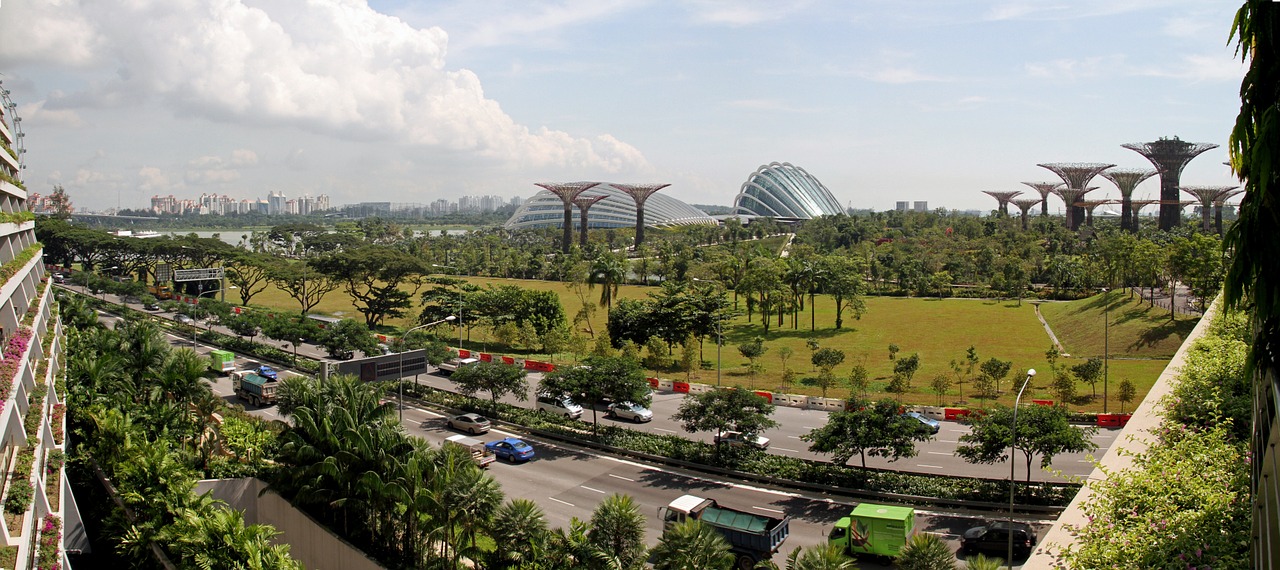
x: 470, y: 423
x: 630, y: 411
x: 184, y: 319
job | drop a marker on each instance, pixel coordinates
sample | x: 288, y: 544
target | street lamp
x: 719, y: 334
x: 400, y: 366
x: 1106, y: 342
x: 1013, y: 448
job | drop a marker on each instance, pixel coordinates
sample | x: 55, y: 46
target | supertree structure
x: 1169, y: 155
x: 1089, y: 206
x: 640, y: 193
x: 1025, y: 205
x: 1126, y: 179
x: 1003, y: 198
x: 1138, y: 205
x: 584, y: 203
x: 1217, y: 208
x: 567, y: 191
x: 1076, y: 175
x: 1071, y: 197
x: 1045, y: 189
x: 1207, y: 196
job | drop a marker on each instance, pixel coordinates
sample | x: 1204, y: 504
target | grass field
x: 938, y: 330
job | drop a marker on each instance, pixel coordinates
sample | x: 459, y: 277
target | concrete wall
x: 1134, y: 438
x: 309, y: 542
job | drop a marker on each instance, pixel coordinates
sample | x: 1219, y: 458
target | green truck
x: 752, y: 537
x: 222, y: 361
x: 877, y: 530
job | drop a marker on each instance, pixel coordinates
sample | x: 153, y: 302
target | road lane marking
x: 785, y: 449
x: 769, y: 510
x: 794, y: 436
x: 959, y: 430
x: 563, y: 502
x: 930, y: 466
x: 661, y: 429
x: 947, y: 441
x: 810, y: 427
x: 940, y: 453
x: 590, y: 489
x: 621, y: 477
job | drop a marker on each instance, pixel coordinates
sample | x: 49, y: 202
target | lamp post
x: 1013, y: 448
x: 1106, y: 342
x: 719, y: 333
x: 400, y: 366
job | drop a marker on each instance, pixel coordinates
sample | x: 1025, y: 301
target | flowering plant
x: 50, y: 537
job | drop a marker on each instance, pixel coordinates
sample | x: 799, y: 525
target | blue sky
x: 409, y: 101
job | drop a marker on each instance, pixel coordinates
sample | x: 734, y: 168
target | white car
x: 630, y: 411
x: 560, y: 406
x: 737, y: 438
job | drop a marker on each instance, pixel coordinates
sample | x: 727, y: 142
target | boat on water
x: 137, y: 234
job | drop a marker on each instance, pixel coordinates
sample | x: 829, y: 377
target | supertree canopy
x: 1025, y: 205
x: 567, y: 191
x: 584, y: 203
x: 1126, y: 179
x: 1071, y: 197
x: 1045, y: 189
x: 1207, y: 195
x: 1003, y: 198
x: 640, y: 193
x: 1169, y: 155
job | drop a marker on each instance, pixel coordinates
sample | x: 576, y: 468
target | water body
x: 235, y: 236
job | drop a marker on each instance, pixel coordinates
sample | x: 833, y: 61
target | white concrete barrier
x: 700, y: 388
x: 664, y: 384
x: 833, y: 404
x: 934, y: 412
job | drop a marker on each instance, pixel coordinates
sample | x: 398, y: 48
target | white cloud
x: 52, y: 117
x: 334, y: 67
x: 244, y: 157
x: 741, y: 13
x: 1203, y: 68
x: 772, y: 105
x: 1056, y: 10
x: 1072, y: 69
x: 152, y: 179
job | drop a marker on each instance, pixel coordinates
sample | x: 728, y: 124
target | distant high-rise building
x: 920, y: 206
x: 276, y: 203
x: 902, y: 206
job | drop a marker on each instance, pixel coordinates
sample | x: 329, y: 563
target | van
x: 559, y: 405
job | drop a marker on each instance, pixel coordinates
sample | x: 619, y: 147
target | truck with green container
x: 876, y: 530
x: 752, y: 537
x: 253, y: 388
x: 222, y: 361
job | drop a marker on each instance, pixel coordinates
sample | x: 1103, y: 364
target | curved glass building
x: 783, y: 190
x: 618, y: 210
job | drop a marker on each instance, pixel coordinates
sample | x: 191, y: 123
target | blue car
x: 930, y: 423
x: 511, y: 449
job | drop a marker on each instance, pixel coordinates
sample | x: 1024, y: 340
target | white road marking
x: 930, y: 466
x: 1083, y: 461
x: 621, y: 477
x: 562, y: 502
x: 948, y: 441
x: 666, y: 430
x: 785, y: 449
x: 768, y: 510
x: 810, y: 427
x: 959, y: 430
x: 794, y: 436
x: 590, y: 489
x: 940, y: 453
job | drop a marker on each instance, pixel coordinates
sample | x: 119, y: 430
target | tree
x: 375, y: 277
x: 925, y: 551
x: 826, y: 359
x: 1089, y: 372
x: 692, y: 544
x: 609, y: 270
x: 864, y: 428
x: 60, y: 203
x: 785, y: 353
x: 1064, y: 388
x: 1042, y: 430
x: 1126, y: 393
x: 250, y: 274
x: 752, y: 350
x: 813, y: 346
x: 1198, y: 261
x: 816, y: 557
x: 995, y: 370
x: 842, y: 277
x: 341, y: 339
x: 731, y: 409
x: 290, y: 330
x: 613, y: 378
x: 907, y: 367
x: 305, y: 284
x: 524, y: 533
x: 617, y: 529
x: 493, y: 377
x: 893, y: 351
x: 940, y: 384
x: 859, y: 380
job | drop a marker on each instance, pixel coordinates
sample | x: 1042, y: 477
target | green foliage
x: 1183, y: 504
x: 1041, y: 430
x: 1125, y: 393
x: 496, y: 378
x: 1089, y: 372
x: 617, y: 530
x: 866, y: 428
x: 726, y: 410
x: 907, y: 367
x: 20, y: 494
x: 925, y: 551
x: 1212, y: 388
x: 346, y: 336
x: 692, y: 544
x: 981, y: 562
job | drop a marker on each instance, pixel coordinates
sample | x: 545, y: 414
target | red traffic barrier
x: 508, y: 360
x: 531, y: 364
x: 236, y: 309
x: 1108, y: 420
x: 766, y: 395
x: 382, y: 338
x: 464, y: 353
x: 681, y: 387
x: 1123, y: 419
x: 486, y: 357
x: 951, y: 413
x: 653, y: 382
x: 1042, y: 402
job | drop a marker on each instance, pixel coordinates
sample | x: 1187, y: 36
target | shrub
x: 19, y: 497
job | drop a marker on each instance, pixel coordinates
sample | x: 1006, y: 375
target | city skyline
x: 408, y: 102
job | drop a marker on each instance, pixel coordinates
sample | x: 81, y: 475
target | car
x: 559, y: 405
x: 470, y: 423
x: 630, y: 411
x: 152, y: 306
x: 736, y: 438
x: 58, y: 278
x: 993, y: 539
x: 928, y: 422
x: 184, y: 319
x: 511, y: 449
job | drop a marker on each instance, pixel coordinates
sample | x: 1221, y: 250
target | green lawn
x: 939, y: 330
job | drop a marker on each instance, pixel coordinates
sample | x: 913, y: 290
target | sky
x: 416, y: 101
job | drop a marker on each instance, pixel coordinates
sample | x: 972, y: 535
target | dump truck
x: 453, y: 364
x: 877, y: 530
x: 222, y: 361
x: 752, y: 537
x: 253, y: 388
x: 479, y: 453
x: 161, y: 292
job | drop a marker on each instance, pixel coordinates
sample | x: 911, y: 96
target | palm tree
x: 571, y: 548
x: 617, y: 529
x: 691, y: 544
x: 210, y: 535
x: 925, y: 551
x: 180, y: 375
x: 523, y: 529
x: 608, y: 270
x: 981, y: 562
x: 818, y: 557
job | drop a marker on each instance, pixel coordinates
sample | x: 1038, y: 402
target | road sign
x: 164, y: 273
x: 197, y: 274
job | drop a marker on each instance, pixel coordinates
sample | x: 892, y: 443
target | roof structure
x: 1025, y: 205
x: 785, y: 191
x: 1126, y: 179
x: 1003, y: 198
x: 1045, y: 189
x: 1208, y: 195
x: 567, y: 191
x: 1170, y: 156
x: 617, y: 210
x: 584, y: 203
x: 640, y: 193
